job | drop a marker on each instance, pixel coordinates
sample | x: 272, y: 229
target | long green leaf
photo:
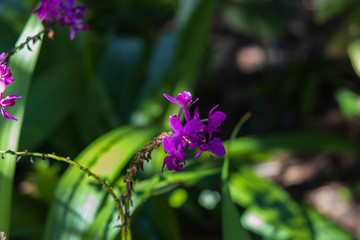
x: 22, y: 65
x: 232, y: 228
x: 78, y: 198
x: 270, y: 211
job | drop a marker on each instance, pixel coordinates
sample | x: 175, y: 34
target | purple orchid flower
x: 48, y: 10
x: 185, y: 134
x: 172, y: 162
x: 185, y: 100
x: 215, y: 146
x: 5, y: 75
x: 64, y: 12
x: 9, y: 101
x: 214, y: 121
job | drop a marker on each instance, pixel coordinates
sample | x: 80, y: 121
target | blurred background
x: 293, y: 65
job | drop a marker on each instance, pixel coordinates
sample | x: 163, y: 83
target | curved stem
x: 70, y: 162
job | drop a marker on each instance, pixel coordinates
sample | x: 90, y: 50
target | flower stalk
x: 71, y: 163
x: 34, y: 39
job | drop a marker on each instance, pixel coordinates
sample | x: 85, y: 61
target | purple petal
x: 6, y: 115
x: 173, y: 164
x: 72, y: 33
x: 166, y: 160
x: 175, y: 124
x: 213, y: 109
x: 9, y: 101
x: 193, y: 126
x: 178, y: 167
x: 196, y: 113
x: 187, y: 114
x: 198, y: 155
x: 171, y: 99
x: 2, y: 87
x: 181, y: 156
x: 2, y: 56
x: 168, y: 145
x: 216, y: 147
x: 216, y: 119
x: 176, y: 138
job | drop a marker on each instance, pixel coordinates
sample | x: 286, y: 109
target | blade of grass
x: 22, y: 65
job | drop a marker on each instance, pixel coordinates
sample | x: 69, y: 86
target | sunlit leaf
x: 354, y: 54
x: 349, y: 103
x: 78, y: 198
x: 269, y: 209
x: 22, y: 65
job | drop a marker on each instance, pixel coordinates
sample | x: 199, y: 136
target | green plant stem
x: 22, y: 45
x: 73, y: 163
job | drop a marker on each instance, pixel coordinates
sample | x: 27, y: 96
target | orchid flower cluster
x: 193, y: 135
x: 63, y: 11
x: 6, y: 78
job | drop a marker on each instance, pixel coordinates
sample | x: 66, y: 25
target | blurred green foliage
x: 293, y: 64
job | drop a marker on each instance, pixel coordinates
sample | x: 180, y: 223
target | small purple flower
x: 215, y: 146
x: 64, y: 12
x: 214, y: 121
x: 9, y: 101
x: 194, y: 132
x: 172, y: 162
x: 185, y: 134
x: 185, y: 100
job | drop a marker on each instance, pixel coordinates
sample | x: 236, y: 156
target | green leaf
x: 78, y: 198
x: 348, y: 102
x: 121, y: 72
x: 46, y: 108
x: 104, y: 225
x: 231, y: 226
x: 270, y: 210
x: 176, y: 62
x: 22, y: 65
x: 354, y: 54
x: 259, y: 148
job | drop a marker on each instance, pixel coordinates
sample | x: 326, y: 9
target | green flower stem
x: 22, y: 45
x: 73, y: 163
